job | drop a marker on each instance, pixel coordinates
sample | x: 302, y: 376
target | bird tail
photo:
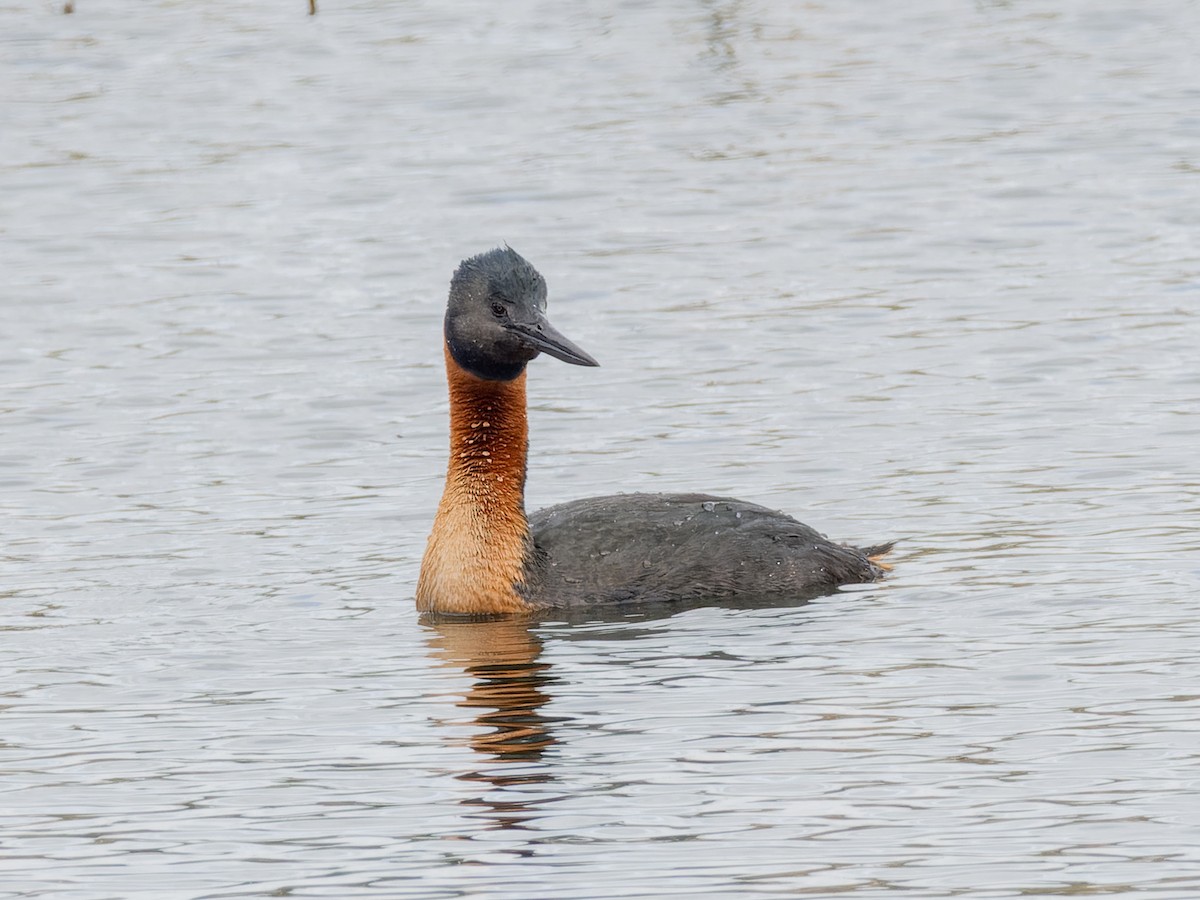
x: 874, y: 554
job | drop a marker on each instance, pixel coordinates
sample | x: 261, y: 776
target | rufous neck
x: 489, y: 433
x: 479, y: 552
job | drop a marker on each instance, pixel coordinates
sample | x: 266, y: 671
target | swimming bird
x: 485, y: 557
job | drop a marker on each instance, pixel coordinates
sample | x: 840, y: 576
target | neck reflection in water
x: 505, y: 700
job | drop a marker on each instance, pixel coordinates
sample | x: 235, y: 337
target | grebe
x: 485, y: 557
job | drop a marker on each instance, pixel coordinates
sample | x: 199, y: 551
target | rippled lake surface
x: 924, y: 271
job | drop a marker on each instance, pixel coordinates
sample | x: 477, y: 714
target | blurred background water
x: 924, y: 271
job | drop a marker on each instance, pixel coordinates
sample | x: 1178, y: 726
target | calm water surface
x: 925, y: 271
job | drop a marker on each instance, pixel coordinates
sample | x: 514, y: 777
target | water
x: 925, y: 272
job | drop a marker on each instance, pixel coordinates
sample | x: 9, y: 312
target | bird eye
x: 499, y: 311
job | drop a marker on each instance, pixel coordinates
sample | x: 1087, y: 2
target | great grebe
x: 486, y: 557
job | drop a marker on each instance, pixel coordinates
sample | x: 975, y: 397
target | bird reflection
x: 505, y: 698
x: 510, y: 685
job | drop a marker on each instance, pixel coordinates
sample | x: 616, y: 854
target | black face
x: 496, y: 318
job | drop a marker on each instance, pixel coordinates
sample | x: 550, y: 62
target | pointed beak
x: 548, y: 339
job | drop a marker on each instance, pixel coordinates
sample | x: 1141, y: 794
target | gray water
x: 924, y: 271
